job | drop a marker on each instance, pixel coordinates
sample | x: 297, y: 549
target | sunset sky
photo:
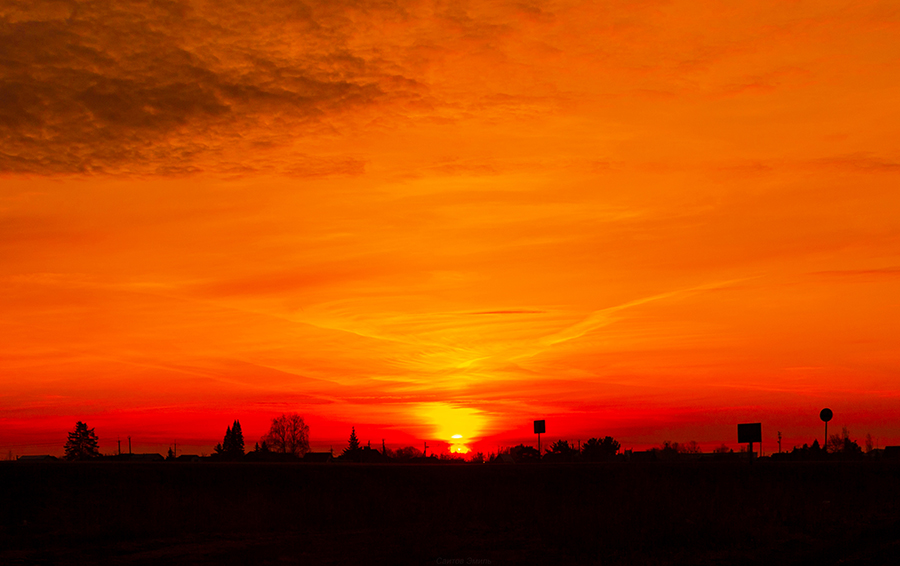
x: 649, y: 219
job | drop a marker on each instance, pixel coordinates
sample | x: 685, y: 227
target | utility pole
x: 425, y: 452
x: 779, y: 442
x: 383, y: 451
x: 129, y: 445
x: 119, y: 441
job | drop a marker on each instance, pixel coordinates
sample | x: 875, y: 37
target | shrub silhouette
x: 596, y: 450
x: 525, y: 454
x: 560, y: 451
x: 407, y: 453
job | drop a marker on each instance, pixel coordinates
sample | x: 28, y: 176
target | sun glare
x: 451, y: 424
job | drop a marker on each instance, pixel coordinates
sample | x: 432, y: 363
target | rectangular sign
x: 749, y: 432
x: 539, y: 427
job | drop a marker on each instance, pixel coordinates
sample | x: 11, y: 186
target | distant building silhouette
x: 149, y: 457
x: 188, y: 458
x: 891, y: 453
x: 502, y: 459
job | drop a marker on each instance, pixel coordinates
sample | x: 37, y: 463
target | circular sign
x: 826, y: 415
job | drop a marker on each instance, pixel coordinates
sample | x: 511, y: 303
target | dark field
x: 653, y: 513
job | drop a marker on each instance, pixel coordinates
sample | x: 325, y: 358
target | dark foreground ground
x: 204, y: 513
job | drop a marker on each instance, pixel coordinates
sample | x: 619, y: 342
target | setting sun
x: 450, y: 424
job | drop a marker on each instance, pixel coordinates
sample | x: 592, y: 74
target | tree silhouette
x: 560, y: 451
x: 815, y: 452
x: 807, y: 452
x: 407, y: 453
x: 223, y: 447
x: 522, y: 453
x: 82, y: 443
x: 841, y: 444
x: 352, y: 451
x: 232, y: 446
x: 288, y: 435
x: 237, y: 439
x: 353, y: 443
x: 668, y: 451
x: 596, y: 450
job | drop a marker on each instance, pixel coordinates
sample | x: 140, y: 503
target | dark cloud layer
x: 162, y: 87
x: 287, y: 86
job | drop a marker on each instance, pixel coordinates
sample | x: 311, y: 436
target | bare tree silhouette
x: 841, y: 444
x: 288, y: 435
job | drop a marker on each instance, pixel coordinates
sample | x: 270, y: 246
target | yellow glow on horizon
x: 451, y: 422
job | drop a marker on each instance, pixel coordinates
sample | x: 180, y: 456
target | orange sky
x: 652, y: 220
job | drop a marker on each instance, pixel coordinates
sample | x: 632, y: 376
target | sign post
x: 539, y: 427
x: 750, y: 433
x: 826, y: 416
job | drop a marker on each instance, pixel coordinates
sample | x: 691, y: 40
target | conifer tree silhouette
x: 237, y: 439
x: 82, y: 443
x: 225, y: 447
x: 352, y: 451
x: 232, y: 446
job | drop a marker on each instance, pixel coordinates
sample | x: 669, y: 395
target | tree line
x: 288, y: 439
x: 287, y: 435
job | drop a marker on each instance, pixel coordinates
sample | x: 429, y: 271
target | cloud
x: 166, y: 87
x: 859, y: 163
x: 509, y: 312
x: 880, y: 272
x: 157, y: 87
